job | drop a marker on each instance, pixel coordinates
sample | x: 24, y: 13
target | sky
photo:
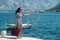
x: 28, y: 4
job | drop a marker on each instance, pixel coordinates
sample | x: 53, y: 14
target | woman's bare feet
x: 18, y: 37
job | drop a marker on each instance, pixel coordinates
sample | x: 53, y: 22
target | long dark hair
x: 17, y: 11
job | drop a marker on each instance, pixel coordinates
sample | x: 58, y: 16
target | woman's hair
x: 18, y: 10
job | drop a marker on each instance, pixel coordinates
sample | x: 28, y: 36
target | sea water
x: 44, y: 25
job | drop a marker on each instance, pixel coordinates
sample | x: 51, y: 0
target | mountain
x: 54, y: 9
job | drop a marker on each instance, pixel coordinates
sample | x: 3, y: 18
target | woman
x: 19, y: 19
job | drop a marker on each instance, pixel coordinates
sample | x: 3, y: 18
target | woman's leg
x: 20, y: 29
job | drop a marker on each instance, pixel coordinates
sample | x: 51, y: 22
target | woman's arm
x: 26, y: 14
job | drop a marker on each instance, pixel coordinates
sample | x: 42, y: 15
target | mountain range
x: 54, y: 9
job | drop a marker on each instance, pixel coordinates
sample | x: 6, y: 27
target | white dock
x: 22, y: 38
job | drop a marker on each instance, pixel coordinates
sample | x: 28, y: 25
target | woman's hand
x: 16, y: 24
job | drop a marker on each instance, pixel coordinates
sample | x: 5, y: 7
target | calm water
x: 44, y: 25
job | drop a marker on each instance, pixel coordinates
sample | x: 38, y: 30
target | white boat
x: 4, y: 36
x: 9, y: 26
